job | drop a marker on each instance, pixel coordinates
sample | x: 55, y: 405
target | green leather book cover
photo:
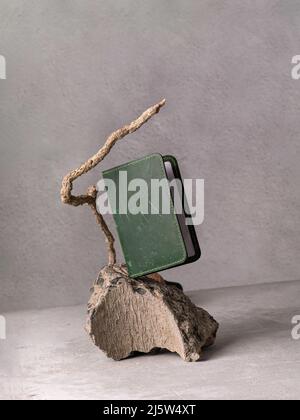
x: 150, y: 242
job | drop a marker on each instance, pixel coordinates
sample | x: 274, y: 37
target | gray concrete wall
x: 76, y: 70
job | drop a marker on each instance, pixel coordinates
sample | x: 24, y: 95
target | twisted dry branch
x: 90, y: 196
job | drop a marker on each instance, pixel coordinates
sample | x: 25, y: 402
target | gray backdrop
x: 77, y: 70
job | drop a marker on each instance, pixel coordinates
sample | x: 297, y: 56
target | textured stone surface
x: 128, y: 315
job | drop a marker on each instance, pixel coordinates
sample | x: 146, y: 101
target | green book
x: 153, y: 236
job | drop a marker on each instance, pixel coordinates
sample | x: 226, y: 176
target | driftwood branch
x: 90, y: 196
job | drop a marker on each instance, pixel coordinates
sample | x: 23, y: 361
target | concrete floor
x: 47, y: 354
